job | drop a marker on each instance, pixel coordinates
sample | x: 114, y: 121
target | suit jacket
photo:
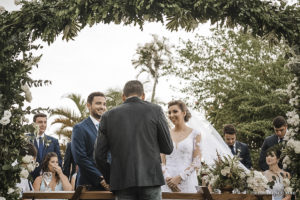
x: 268, y: 142
x: 69, y: 166
x: 135, y: 133
x: 51, y: 145
x: 244, y: 152
x: 83, y: 138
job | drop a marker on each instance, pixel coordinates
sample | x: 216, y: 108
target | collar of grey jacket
x: 132, y: 99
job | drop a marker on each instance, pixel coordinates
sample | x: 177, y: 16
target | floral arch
x: 46, y: 19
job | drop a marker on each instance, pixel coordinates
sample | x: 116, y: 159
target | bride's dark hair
x: 182, y: 107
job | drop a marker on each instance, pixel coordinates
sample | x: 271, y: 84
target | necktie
x: 280, y: 140
x: 97, y: 126
x: 232, y: 149
x: 40, y: 149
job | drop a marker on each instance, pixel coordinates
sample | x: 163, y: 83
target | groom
x: 135, y: 133
x: 82, y: 146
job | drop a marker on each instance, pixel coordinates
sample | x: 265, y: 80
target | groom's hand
x: 104, y: 184
x: 173, y: 183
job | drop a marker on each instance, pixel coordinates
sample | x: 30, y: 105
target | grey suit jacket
x: 268, y: 142
x: 135, y: 133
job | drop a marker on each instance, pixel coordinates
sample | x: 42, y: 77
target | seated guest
x: 280, y: 128
x: 236, y: 147
x: 59, y: 182
x: 43, y: 143
x: 275, y: 174
x: 29, y: 150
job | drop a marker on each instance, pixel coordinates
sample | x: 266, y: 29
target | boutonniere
x: 238, y: 151
x: 47, y: 142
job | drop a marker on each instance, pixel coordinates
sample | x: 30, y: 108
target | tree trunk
x: 154, y: 85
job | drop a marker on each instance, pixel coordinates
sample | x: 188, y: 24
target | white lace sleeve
x: 196, y: 163
x: 164, y: 167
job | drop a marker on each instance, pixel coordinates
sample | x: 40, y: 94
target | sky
x: 99, y: 58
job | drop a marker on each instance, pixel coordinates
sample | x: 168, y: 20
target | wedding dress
x: 182, y: 162
x: 278, y: 189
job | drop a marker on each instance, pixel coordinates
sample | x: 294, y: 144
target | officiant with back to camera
x: 135, y: 133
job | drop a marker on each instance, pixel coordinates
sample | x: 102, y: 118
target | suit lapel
x: 35, y: 144
x: 91, y: 126
x: 237, y: 148
x: 45, y: 146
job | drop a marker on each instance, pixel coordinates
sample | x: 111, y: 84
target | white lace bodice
x: 278, y: 189
x: 183, y: 161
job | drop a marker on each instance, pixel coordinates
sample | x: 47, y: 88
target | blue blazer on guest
x: 51, y: 145
x: 243, y: 149
x: 82, y: 146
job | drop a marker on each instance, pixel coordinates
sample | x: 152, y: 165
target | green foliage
x: 47, y: 19
x: 154, y: 58
x: 236, y: 78
x: 67, y: 117
x: 113, y: 98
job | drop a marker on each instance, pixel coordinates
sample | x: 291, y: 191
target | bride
x: 180, y: 167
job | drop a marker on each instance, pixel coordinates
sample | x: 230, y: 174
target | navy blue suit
x: 243, y: 149
x: 82, y: 146
x: 51, y: 145
x: 69, y: 167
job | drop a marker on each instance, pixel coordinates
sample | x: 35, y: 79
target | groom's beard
x: 96, y: 115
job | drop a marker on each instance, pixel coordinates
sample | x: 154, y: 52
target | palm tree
x: 113, y: 98
x: 67, y: 117
x: 155, y: 59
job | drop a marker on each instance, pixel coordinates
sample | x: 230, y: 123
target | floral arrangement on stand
x: 228, y: 175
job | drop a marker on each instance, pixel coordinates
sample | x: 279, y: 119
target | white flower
x: 225, y: 171
x: 2, y: 198
x: 10, y: 190
x: 294, y: 101
x: 286, y: 182
x: 30, y: 167
x: 2, y: 10
x: 288, y: 190
x: 26, y: 89
x: 7, y: 114
x: 287, y: 160
x: 24, y: 173
x: 4, y: 121
x: 293, y: 118
x: 284, y: 166
x: 27, y: 159
x: 243, y: 175
x: 14, y: 163
x: 290, y: 143
x: 257, y: 182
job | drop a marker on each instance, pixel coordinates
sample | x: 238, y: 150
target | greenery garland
x: 46, y: 19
